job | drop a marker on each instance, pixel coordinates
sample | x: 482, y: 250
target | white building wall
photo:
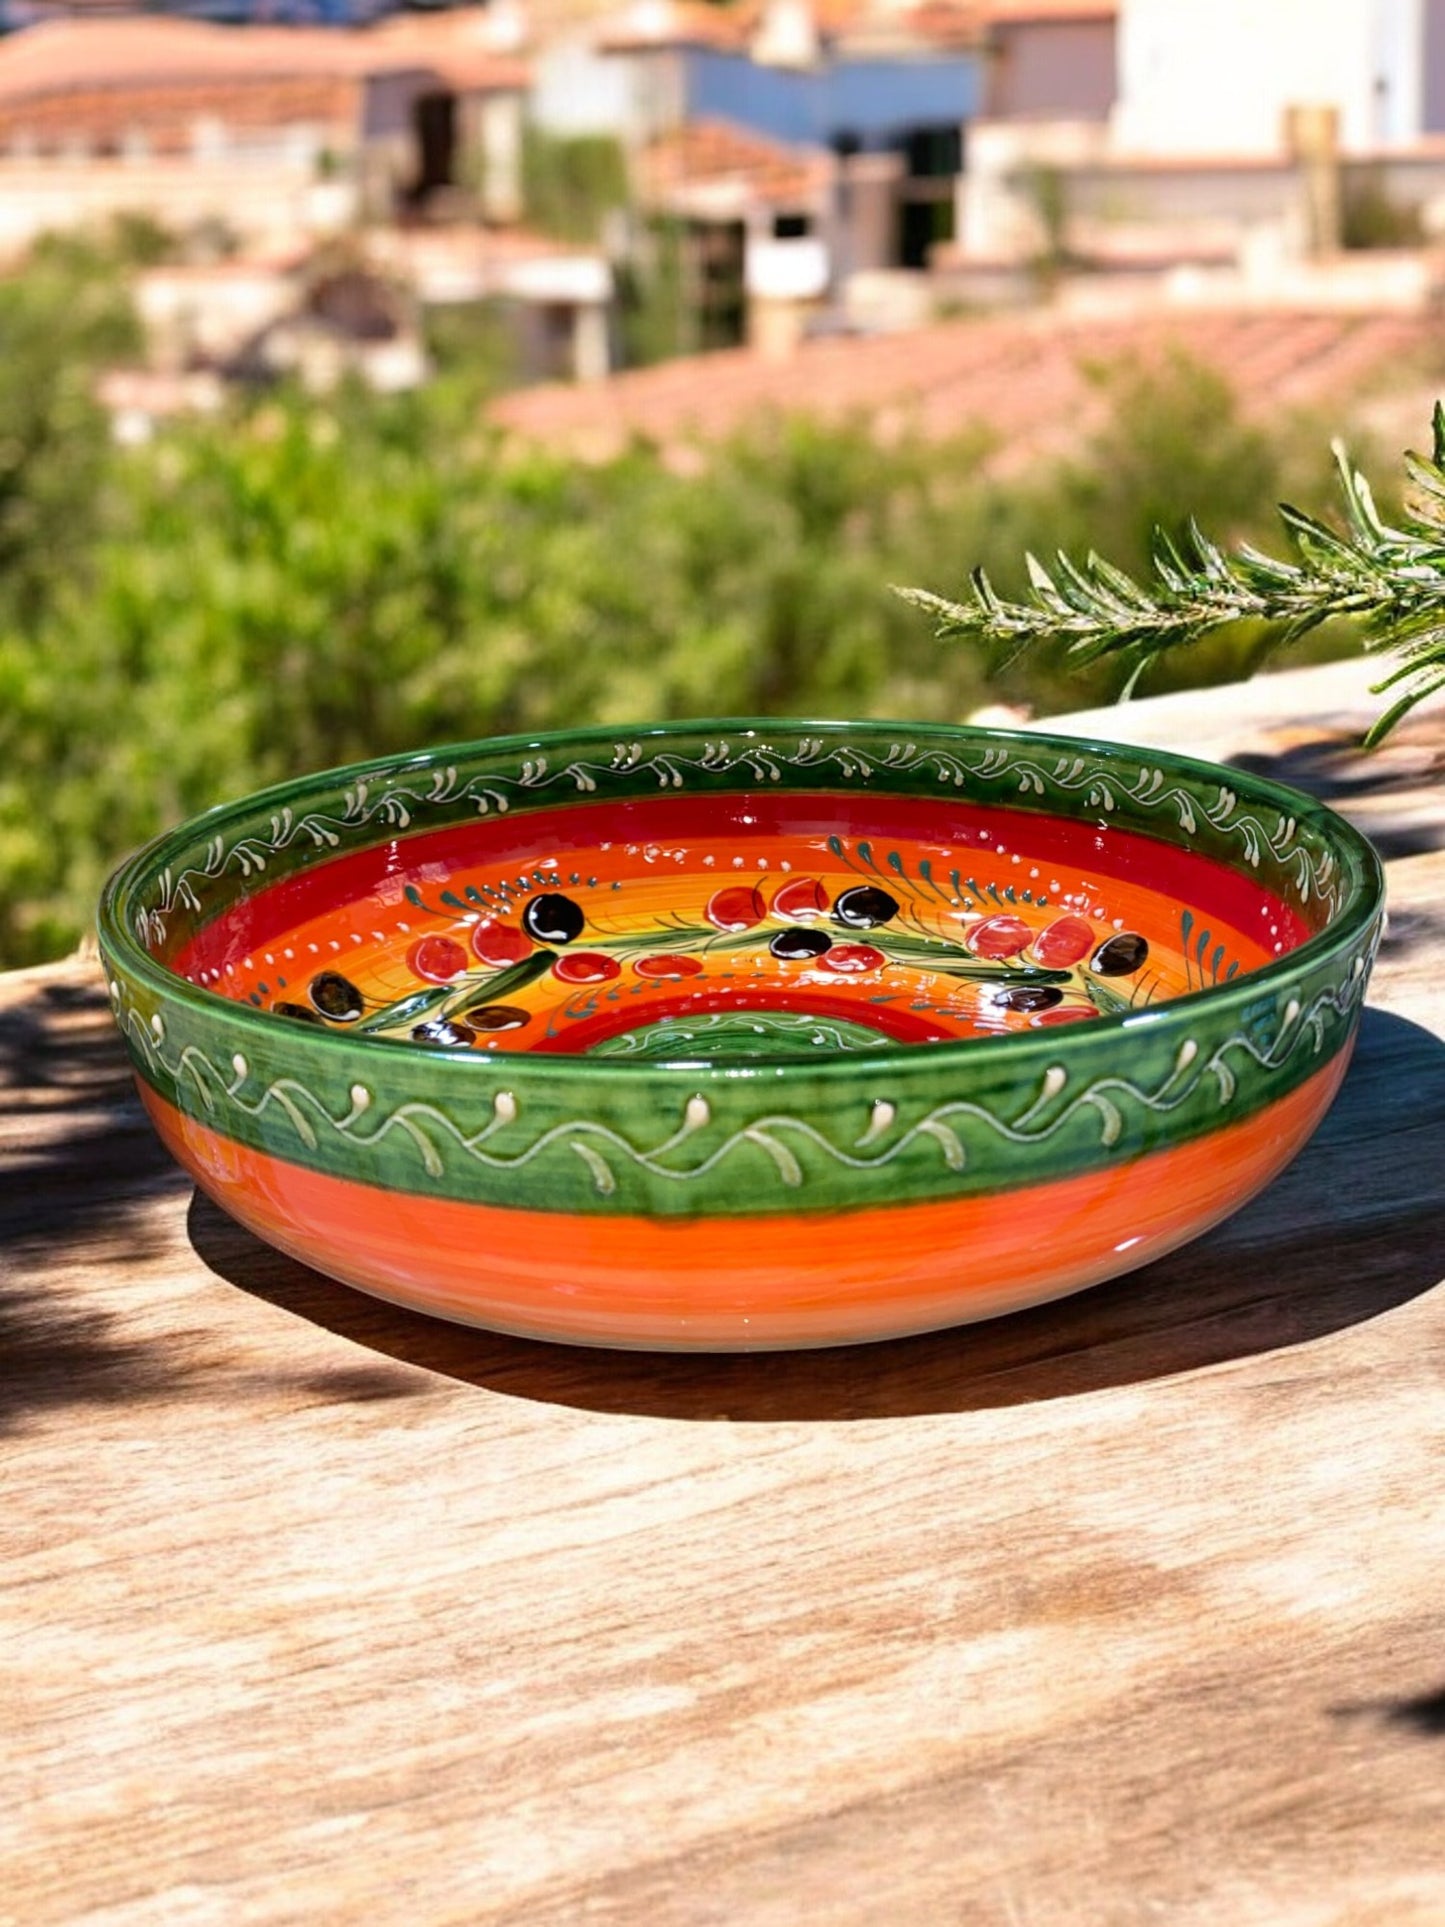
x: 1215, y: 76
x: 576, y: 89
x: 270, y: 203
x: 1399, y: 50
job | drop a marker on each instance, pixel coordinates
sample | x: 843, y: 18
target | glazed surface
x: 754, y: 925
x: 742, y: 1284
x: 1104, y: 954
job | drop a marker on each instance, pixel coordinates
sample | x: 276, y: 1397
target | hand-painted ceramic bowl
x: 743, y: 1035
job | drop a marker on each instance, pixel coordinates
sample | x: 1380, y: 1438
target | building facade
x: 1203, y: 77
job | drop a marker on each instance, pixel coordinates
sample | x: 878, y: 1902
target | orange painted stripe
x: 823, y: 1278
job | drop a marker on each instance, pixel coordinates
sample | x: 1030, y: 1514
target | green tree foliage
x: 302, y: 583
x: 1172, y: 438
x: 1371, y: 216
x: 571, y: 183
x: 1372, y: 580
x: 60, y: 320
x: 1172, y: 443
x: 655, y: 322
x: 474, y: 344
x: 572, y: 186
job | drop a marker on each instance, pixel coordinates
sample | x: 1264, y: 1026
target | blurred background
x: 372, y: 378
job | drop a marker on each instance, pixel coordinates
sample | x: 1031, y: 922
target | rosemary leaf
x: 1388, y: 581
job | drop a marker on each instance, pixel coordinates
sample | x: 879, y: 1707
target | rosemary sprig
x: 1389, y: 580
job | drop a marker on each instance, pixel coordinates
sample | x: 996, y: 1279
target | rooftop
x: 652, y: 25
x: 1023, y: 379
x: 150, y: 52
x: 1009, y: 12
x: 705, y: 155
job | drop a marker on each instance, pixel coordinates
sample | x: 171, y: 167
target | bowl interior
x: 707, y: 900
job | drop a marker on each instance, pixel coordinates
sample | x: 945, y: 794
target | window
x: 933, y: 153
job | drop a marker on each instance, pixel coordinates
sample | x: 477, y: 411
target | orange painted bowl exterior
x: 897, y: 1132
x: 735, y: 1284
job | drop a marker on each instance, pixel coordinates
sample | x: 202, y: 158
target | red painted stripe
x: 893, y: 1020
x: 1089, y: 851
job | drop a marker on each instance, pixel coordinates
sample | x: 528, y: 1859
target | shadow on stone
x: 1420, y: 1713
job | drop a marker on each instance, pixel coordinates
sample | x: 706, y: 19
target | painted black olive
x: 1028, y: 996
x: 866, y: 907
x: 297, y: 1012
x: 445, y: 1031
x: 1121, y: 956
x: 797, y: 942
x: 335, y: 997
x: 553, y: 918
x: 498, y: 1017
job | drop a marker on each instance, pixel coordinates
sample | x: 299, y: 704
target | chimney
x: 1312, y: 140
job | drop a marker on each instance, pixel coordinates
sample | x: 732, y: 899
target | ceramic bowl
x: 742, y: 1035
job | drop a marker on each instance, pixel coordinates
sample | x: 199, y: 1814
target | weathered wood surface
x: 1124, y: 1610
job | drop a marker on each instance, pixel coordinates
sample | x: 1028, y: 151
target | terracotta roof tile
x: 706, y: 153
x: 1009, y: 12
x: 943, y: 23
x: 460, y: 45
x: 655, y: 24
x: 952, y: 23
x: 1022, y: 379
x: 65, y: 56
x: 168, y: 114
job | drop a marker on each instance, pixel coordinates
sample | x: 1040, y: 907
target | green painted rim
x: 613, y: 1133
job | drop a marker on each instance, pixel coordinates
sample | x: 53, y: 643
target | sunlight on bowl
x: 742, y: 1035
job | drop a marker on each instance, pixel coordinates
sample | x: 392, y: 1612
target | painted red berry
x: 438, y: 959
x: 801, y: 898
x: 737, y: 908
x: 499, y: 943
x: 1063, y: 942
x: 998, y: 937
x: 586, y: 967
x: 852, y: 959
x: 1064, y: 1014
x: 664, y: 966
